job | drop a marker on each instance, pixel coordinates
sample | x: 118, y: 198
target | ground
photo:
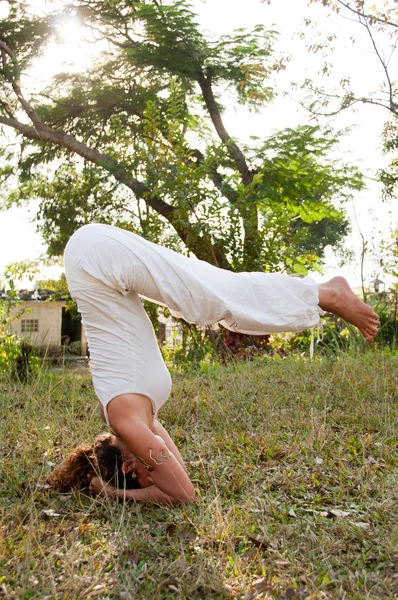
x: 295, y: 464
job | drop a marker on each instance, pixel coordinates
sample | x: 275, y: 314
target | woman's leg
x: 253, y: 303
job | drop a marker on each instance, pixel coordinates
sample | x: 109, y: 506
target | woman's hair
x: 104, y: 459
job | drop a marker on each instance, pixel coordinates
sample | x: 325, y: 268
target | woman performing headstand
x: 108, y: 271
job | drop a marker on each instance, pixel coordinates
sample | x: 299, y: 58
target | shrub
x: 385, y: 305
x: 18, y: 358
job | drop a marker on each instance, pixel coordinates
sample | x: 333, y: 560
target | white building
x: 48, y: 326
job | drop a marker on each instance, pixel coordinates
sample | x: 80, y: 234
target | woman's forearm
x: 151, y: 494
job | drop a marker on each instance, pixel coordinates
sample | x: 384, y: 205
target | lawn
x: 295, y: 465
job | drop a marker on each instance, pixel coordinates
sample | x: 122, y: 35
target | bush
x: 18, y: 358
x: 386, y: 307
x: 191, y: 346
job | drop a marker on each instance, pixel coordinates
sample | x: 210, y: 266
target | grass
x: 295, y: 463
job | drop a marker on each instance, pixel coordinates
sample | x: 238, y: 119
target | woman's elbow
x: 189, y: 497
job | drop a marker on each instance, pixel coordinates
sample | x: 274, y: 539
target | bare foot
x: 336, y: 296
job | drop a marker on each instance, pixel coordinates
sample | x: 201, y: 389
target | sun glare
x: 4, y: 9
x: 71, y: 30
x: 72, y: 49
x: 72, y: 53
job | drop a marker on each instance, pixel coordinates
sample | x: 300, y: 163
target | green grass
x: 273, y: 447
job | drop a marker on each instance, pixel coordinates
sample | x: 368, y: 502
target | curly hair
x: 103, y: 459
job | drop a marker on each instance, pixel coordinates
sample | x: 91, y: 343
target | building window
x: 30, y: 325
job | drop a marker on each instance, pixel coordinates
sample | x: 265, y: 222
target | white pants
x: 108, y: 269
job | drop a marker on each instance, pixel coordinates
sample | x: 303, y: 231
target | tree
x: 379, y: 21
x: 140, y: 139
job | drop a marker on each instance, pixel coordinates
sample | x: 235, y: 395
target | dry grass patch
x: 295, y: 463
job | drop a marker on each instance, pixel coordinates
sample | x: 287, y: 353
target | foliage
x: 391, y: 255
x: 191, y: 347
x: 389, y: 175
x: 295, y: 467
x: 59, y: 286
x: 15, y: 272
x: 17, y: 357
x: 333, y: 337
x: 297, y: 186
x: 139, y: 140
x: 386, y: 306
x: 386, y: 301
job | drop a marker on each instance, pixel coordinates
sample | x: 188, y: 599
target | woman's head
x: 104, y: 459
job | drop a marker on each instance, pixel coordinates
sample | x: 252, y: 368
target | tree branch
x: 6, y: 109
x: 361, y: 14
x: 16, y: 86
x: 170, y: 213
x: 344, y: 104
x: 214, y: 112
x: 119, y: 171
x: 393, y: 106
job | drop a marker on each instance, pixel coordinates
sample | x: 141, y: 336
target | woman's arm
x: 158, y: 429
x: 129, y: 417
x: 167, y: 473
x: 150, y: 495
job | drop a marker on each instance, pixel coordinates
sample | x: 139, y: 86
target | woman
x: 108, y: 270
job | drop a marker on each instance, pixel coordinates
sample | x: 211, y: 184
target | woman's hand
x: 100, y: 488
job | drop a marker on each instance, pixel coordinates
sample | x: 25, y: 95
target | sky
x: 18, y: 237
